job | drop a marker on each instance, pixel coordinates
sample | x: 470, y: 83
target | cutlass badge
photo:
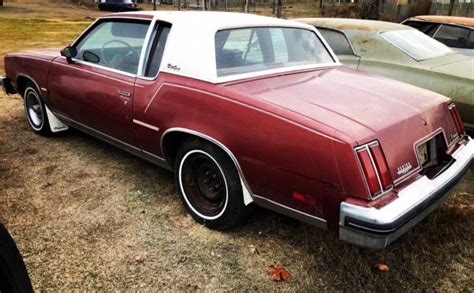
x: 405, y: 168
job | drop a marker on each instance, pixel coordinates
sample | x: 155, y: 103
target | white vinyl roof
x: 190, y: 48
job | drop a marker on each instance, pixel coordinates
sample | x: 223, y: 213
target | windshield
x: 416, y: 44
x: 249, y: 50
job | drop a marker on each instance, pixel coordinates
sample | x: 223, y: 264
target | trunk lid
x: 362, y: 106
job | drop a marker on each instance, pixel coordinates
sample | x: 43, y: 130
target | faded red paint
x: 293, y: 132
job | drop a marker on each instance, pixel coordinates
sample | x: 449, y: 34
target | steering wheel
x: 108, y: 62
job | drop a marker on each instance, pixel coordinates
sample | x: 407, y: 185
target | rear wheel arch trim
x: 247, y: 193
x: 29, y: 78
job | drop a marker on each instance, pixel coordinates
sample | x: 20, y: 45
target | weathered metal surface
x: 451, y: 75
x: 465, y: 21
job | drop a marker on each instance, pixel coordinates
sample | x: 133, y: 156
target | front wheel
x: 209, y: 185
x: 35, y: 110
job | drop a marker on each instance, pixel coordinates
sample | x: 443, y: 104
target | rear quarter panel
x: 277, y: 155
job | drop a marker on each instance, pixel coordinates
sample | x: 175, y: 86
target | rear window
x: 249, y: 50
x: 416, y: 44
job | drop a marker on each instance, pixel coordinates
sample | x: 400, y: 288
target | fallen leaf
x: 382, y: 267
x: 466, y: 206
x: 254, y: 250
x: 138, y: 259
x: 278, y: 273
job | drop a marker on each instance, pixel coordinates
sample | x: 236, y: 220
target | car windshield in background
x: 246, y: 50
x: 416, y: 44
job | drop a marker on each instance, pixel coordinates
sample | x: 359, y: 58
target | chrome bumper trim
x: 2, y: 83
x: 376, y: 228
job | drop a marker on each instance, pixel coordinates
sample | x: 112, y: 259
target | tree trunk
x: 451, y: 7
x: 279, y: 8
x: 154, y: 4
x: 371, y: 9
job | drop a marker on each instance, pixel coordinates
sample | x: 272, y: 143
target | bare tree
x: 372, y: 9
x: 154, y: 4
x: 451, y: 7
x: 279, y: 8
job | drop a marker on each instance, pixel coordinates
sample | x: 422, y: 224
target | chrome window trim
x: 146, y: 47
x: 345, y: 36
x: 111, y: 18
x: 141, y: 74
x: 437, y: 30
x: 380, y: 34
x: 101, y: 67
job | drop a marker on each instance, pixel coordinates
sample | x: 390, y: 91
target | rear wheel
x: 35, y: 110
x: 209, y: 185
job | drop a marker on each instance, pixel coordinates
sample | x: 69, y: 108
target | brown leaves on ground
x: 139, y: 259
x: 382, y: 267
x: 278, y: 273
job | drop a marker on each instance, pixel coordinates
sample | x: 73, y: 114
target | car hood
x: 361, y: 106
x: 455, y: 64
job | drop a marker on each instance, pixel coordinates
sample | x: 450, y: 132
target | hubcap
x: 203, y: 184
x: 33, y: 109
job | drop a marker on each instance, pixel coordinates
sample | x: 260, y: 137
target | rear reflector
x: 457, y: 118
x: 304, y: 198
x: 375, y: 169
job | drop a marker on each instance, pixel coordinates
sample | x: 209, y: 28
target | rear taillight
x: 457, y: 118
x: 375, y: 169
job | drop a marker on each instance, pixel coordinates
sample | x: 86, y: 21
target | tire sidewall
x: 44, y: 128
x: 234, y: 207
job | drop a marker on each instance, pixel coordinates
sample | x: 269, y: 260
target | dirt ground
x: 88, y: 216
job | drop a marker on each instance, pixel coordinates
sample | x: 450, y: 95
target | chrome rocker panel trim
x: 376, y: 228
x: 290, y: 212
x: 115, y: 142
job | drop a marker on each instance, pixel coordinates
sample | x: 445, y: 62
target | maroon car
x: 252, y: 110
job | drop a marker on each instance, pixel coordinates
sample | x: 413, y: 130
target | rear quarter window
x: 337, y: 41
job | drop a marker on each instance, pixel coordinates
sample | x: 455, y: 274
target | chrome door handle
x: 124, y: 93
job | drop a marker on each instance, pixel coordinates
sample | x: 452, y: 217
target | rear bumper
x: 6, y: 86
x: 376, y: 228
x: 3, y: 81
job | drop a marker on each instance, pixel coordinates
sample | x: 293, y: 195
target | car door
x: 96, y: 88
x: 341, y: 46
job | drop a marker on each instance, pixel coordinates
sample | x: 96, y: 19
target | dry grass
x: 81, y: 211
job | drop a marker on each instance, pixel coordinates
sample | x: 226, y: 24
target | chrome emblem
x: 405, y: 168
x: 454, y: 136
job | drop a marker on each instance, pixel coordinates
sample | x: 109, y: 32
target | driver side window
x: 114, y: 44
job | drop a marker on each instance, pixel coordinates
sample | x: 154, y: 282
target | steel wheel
x: 203, y: 184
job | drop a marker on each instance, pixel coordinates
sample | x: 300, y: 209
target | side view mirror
x: 69, y: 52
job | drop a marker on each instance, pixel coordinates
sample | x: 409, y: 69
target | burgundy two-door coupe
x: 252, y: 110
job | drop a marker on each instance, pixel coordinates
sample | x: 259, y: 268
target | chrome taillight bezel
x: 367, y: 148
